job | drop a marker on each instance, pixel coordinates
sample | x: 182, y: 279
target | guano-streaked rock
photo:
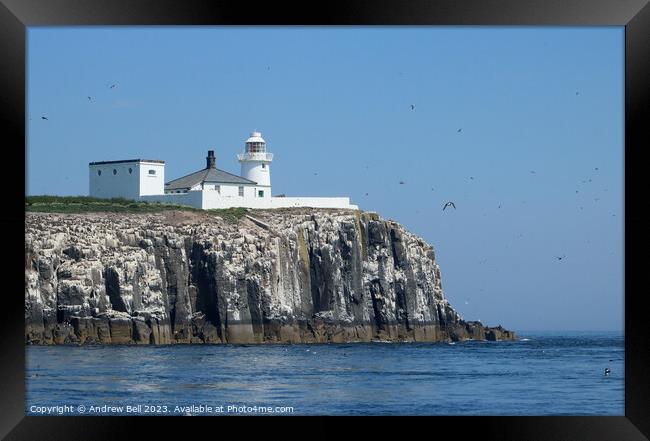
x: 284, y: 276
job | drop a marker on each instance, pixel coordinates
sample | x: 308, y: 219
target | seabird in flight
x: 449, y: 204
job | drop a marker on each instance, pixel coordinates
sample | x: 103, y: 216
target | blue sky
x: 536, y: 171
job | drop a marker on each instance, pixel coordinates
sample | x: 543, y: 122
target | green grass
x: 231, y: 215
x: 87, y: 204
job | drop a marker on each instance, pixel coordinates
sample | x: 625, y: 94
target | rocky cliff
x: 298, y: 276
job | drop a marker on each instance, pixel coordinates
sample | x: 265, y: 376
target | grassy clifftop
x: 87, y: 204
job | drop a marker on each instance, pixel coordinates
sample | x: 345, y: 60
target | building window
x: 260, y: 193
x: 241, y: 191
x: 218, y: 188
x: 152, y: 172
x: 263, y: 165
x: 130, y: 170
x: 99, y: 172
x: 114, y: 171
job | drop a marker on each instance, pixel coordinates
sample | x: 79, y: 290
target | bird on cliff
x: 448, y: 204
x: 607, y: 371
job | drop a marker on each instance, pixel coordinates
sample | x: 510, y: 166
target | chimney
x: 211, y: 160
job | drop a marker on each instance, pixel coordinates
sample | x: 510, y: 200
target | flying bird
x: 401, y: 182
x: 44, y: 117
x: 90, y: 99
x: 459, y: 130
x: 561, y: 257
x: 577, y: 93
x: 532, y: 171
x: 113, y: 86
x: 607, y: 371
x: 412, y: 107
x: 366, y: 194
x: 471, y: 177
x: 596, y: 168
x: 449, y: 204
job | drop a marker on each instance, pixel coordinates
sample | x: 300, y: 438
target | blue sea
x: 541, y: 374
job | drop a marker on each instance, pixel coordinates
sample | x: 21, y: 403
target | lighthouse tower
x: 255, y: 164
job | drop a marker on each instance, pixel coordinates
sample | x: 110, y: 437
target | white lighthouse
x: 207, y: 188
x: 255, y: 164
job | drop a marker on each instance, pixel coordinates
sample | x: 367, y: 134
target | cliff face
x: 296, y: 276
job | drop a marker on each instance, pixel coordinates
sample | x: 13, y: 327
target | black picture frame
x: 16, y: 15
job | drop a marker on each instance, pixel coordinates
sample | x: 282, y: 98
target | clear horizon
x: 522, y: 127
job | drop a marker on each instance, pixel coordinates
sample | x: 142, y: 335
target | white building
x: 143, y: 179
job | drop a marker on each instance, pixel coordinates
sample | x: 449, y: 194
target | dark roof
x: 126, y: 160
x: 206, y: 175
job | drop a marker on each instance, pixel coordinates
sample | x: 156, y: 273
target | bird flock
x: 448, y: 204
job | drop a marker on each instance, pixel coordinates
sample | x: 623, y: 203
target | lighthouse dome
x: 255, y: 137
